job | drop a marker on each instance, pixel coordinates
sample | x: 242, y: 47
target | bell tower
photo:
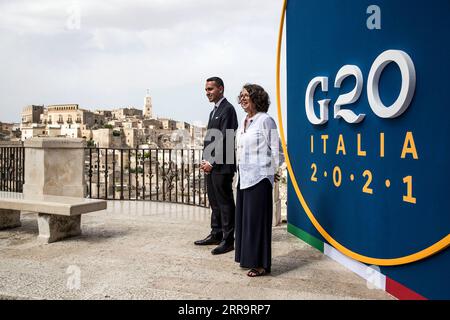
x: 148, y: 112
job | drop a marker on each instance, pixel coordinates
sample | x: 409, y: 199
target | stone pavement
x: 145, y: 250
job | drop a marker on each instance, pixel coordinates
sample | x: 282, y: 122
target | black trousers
x: 220, y: 195
x: 254, y: 226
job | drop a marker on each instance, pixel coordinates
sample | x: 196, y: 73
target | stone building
x: 123, y: 113
x: 71, y: 114
x: 183, y: 125
x: 168, y: 124
x: 43, y: 117
x: 71, y: 130
x: 31, y: 114
x: 133, y: 137
x: 153, y: 124
x: 9, y: 131
x: 131, y: 123
x: 53, y: 131
x: 56, y: 120
x: 105, y: 113
x: 115, y: 123
x: 107, y: 138
x: 31, y: 122
x: 9, y: 127
x: 32, y: 130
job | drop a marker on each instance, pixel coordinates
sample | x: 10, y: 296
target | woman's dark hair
x: 258, y: 96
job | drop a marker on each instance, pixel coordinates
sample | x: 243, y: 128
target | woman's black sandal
x: 255, y: 273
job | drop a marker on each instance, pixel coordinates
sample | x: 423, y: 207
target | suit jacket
x: 218, y: 146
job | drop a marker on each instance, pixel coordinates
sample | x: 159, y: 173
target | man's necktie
x: 213, y: 113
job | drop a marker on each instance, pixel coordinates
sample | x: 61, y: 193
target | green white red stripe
x: 372, y: 274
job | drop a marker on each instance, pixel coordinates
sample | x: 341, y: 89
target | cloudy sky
x: 106, y: 54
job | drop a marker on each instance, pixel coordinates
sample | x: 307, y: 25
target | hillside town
x: 127, y: 127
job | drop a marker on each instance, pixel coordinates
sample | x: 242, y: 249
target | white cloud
x: 121, y: 48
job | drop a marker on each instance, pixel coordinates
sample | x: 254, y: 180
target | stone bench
x: 59, y: 217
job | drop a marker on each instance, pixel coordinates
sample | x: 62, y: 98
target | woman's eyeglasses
x: 242, y: 96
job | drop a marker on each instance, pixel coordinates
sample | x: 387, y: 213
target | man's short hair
x: 217, y: 80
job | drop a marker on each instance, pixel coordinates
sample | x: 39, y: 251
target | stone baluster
x: 55, y: 166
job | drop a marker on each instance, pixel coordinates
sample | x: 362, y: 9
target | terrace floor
x: 145, y: 250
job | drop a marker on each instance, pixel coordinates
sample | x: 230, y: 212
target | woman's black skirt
x: 254, y: 226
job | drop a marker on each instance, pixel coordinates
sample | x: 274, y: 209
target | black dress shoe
x: 207, y: 241
x: 223, y: 248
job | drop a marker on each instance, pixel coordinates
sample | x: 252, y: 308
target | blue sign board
x: 369, y: 131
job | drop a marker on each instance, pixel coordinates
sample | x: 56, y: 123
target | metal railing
x: 166, y: 175
x: 12, y: 164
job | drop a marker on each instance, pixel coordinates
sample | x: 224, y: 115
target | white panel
x: 370, y: 273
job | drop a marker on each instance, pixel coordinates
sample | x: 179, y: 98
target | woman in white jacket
x: 258, y: 156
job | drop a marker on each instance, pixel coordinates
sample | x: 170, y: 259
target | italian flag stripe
x: 401, y: 292
x: 309, y: 239
x: 375, y: 279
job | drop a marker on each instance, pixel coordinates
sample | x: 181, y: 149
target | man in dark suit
x: 219, y: 166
